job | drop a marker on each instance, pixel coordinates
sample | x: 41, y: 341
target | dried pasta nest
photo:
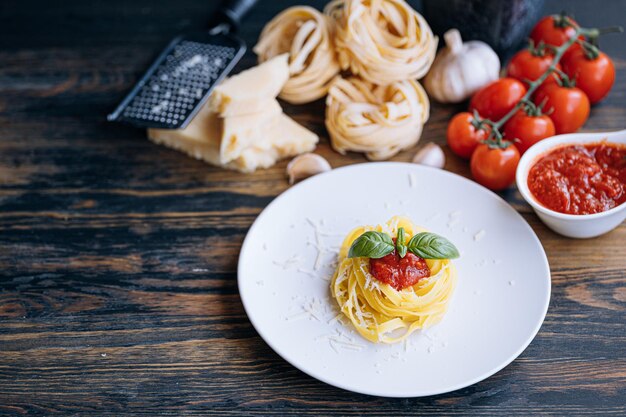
x: 380, y: 120
x: 306, y: 34
x: 382, y: 40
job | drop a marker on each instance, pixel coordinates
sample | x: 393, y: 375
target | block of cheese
x: 242, y: 126
x: 194, y: 139
x: 245, y: 92
x: 226, y: 138
x: 241, y: 132
x: 285, y: 138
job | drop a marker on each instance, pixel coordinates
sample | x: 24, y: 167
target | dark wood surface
x: 117, y: 257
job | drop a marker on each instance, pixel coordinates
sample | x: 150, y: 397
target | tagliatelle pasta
x: 378, y: 120
x: 379, y: 312
x: 305, y: 34
x: 382, y: 40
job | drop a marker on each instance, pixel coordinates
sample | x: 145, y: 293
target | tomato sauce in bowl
x: 580, y: 179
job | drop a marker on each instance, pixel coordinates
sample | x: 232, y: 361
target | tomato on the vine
x: 530, y: 64
x: 498, y: 98
x: 554, y: 30
x: 528, y: 127
x: 464, y: 135
x: 575, y: 47
x: 494, y: 166
x: 592, y: 70
x: 569, y: 106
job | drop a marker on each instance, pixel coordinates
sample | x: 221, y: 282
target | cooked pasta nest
x: 379, y: 312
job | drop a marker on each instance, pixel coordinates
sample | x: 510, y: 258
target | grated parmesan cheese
x: 340, y: 340
x: 452, y: 222
x: 479, y: 235
x: 333, y: 346
x: 298, y: 316
x: 309, y: 273
x: 290, y: 262
x: 317, y: 244
x: 334, y: 319
x: 159, y: 107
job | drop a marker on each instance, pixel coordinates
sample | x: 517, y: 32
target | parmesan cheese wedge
x: 198, y: 139
x: 285, y: 138
x: 241, y: 132
x: 242, y: 127
x: 246, y: 92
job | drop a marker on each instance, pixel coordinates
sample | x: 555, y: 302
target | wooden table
x: 117, y: 257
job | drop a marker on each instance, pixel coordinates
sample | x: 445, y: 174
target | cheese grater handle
x: 231, y: 12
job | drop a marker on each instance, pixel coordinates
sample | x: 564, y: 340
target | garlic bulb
x: 306, y: 165
x: 306, y: 35
x: 431, y: 155
x: 461, y: 69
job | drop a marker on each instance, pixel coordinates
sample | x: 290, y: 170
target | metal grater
x: 181, y: 79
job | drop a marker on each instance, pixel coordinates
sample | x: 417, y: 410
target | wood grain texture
x: 118, y: 258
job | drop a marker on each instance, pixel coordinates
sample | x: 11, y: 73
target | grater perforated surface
x: 177, y: 84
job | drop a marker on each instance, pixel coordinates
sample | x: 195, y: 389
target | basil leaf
x: 401, y: 239
x: 432, y: 246
x: 371, y: 245
x: 400, y: 243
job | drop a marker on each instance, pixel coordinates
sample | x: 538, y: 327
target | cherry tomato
x: 494, y: 167
x: 569, y: 106
x: 575, y: 47
x: 526, y: 129
x: 496, y: 99
x: 595, y: 76
x: 553, y: 30
x: 529, y: 66
x: 463, y: 137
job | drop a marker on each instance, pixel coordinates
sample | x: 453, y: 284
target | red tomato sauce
x: 580, y: 179
x: 399, y: 272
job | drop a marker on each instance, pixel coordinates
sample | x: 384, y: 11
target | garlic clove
x: 306, y: 165
x: 431, y: 155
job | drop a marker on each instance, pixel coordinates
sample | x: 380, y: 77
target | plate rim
x: 316, y: 375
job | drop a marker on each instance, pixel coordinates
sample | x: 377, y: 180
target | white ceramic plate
x: 497, y: 308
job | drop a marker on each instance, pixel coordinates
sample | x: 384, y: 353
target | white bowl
x: 570, y: 225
